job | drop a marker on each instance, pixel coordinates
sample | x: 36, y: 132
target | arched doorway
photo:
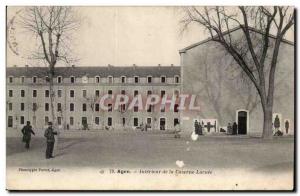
x: 242, y: 119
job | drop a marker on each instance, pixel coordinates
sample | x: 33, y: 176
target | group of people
x: 198, y: 128
x: 232, y: 129
x: 49, y: 134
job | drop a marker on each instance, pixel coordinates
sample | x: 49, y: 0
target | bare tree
x: 53, y: 27
x: 266, y: 20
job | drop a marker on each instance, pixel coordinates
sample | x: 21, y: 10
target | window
x: 149, y: 93
x: 123, y: 92
x: 22, y: 93
x: 109, y: 107
x: 72, y: 108
x: 46, y: 120
x: 97, y: 107
x: 47, y: 79
x: 97, y: 79
x: 109, y: 121
x: 71, y: 120
x: 110, y: 79
x: 136, y: 79
x: 176, y: 93
x: 97, y: 93
x: 46, y: 107
x: 22, y: 106
x: 150, y: 108
x: 59, y: 120
x: 135, y: 93
x: 22, y: 120
x: 135, y: 122
x: 34, y: 107
x: 59, y: 79
x: 84, y: 93
x: 59, y: 107
x: 149, y: 79
x: 123, y: 79
x: 10, y: 93
x: 10, y: 121
x: 176, y: 107
x: 84, y: 107
x: 97, y: 120
x: 136, y: 108
x: 34, y: 93
x: 163, y: 108
x: 72, y: 93
x: 34, y: 79
x: 109, y: 92
x: 59, y: 93
x: 22, y: 79
x: 162, y: 93
x: 10, y: 105
x: 72, y: 79
x: 11, y: 79
x: 123, y: 107
x: 176, y: 79
x: 47, y: 93
x: 163, y: 79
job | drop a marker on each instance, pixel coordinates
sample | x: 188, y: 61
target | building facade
x: 78, y: 91
x: 224, y: 93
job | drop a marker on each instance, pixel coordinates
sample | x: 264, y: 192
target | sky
x: 119, y: 36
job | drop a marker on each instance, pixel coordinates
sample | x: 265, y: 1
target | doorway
x: 162, y: 124
x: 10, y: 121
x: 149, y: 123
x: 242, y: 122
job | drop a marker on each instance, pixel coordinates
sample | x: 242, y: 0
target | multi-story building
x: 77, y: 93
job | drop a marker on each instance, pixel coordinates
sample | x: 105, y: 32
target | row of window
x: 84, y: 93
x: 95, y: 107
x: 110, y: 79
x: 84, y: 121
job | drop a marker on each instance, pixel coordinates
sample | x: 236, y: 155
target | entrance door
x: 242, y: 122
x: 149, y: 124
x: 176, y: 121
x: 162, y: 124
x: 83, y: 122
x: 10, y: 121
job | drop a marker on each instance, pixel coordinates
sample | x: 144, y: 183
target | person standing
x: 196, y: 125
x: 49, y: 134
x: 229, y: 129
x: 276, y: 123
x: 287, y: 125
x: 27, y: 131
x: 234, y: 128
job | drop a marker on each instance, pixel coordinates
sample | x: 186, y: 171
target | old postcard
x: 150, y: 98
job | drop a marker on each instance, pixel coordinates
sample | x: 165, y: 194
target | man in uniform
x: 27, y: 131
x: 49, y: 134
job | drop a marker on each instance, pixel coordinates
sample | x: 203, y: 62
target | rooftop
x: 115, y: 71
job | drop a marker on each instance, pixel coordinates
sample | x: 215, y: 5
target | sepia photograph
x: 150, y: 98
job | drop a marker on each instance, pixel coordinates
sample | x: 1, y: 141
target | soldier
x: 196, y: 125
x: 287, y: 125
x: 27, y: 131
x: 234, y: 128
x: 49, y: 134
x: 276, y: 123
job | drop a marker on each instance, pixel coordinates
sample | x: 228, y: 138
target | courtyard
x: 136, y: 149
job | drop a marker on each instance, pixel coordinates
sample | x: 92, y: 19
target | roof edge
x: 230, y: 31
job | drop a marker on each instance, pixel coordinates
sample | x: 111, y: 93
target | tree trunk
x: 267, y: 125
x: 52, y: 94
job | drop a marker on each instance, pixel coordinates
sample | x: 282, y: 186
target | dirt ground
x: 154, y: 150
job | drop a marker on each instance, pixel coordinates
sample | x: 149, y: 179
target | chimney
x: 26, y: 66
x: 134, y: 65
x: 159, y: 65
x: 172, y: 65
